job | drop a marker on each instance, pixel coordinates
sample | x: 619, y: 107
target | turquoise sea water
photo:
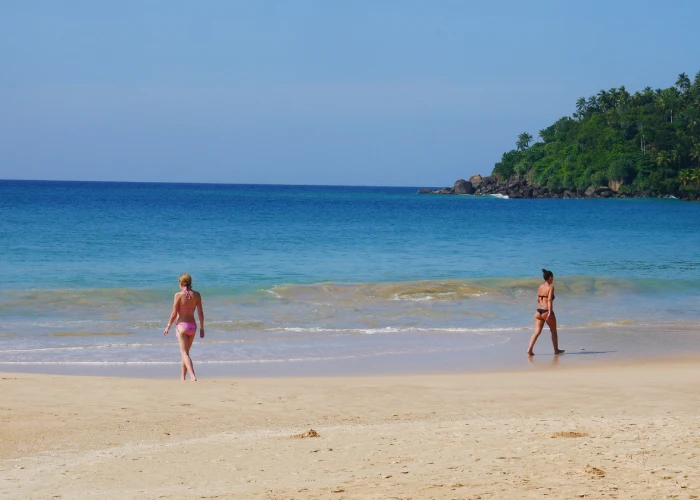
x: 297, y: 275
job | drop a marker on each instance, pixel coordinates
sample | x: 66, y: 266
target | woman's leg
x: 185, y: 343
x: 190, y: 341
x: 552, y: 322
x: 539, y: 324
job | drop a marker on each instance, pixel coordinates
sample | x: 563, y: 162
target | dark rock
x: 517, y: 187
x: 463, y: 187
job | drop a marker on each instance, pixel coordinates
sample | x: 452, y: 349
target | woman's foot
x: 530, y: 353
x: 559, y: 351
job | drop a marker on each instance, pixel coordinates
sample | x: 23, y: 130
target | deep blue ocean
x: 309, y: 273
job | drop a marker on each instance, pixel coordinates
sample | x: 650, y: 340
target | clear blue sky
x: 361, y: 92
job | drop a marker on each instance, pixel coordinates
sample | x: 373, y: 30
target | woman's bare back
x: 187, y: 307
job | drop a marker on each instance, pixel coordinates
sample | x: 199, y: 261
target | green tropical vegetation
x: 646, y: 143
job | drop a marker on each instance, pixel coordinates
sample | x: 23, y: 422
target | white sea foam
x: 414, y: 299
x: 83, y: 347
x: 273, y: 293
x: 500, y: 341
x: 500, y: 196
x: 436, y: 296
x: 390, y: 329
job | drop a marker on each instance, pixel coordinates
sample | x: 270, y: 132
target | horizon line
x: 214, y: 183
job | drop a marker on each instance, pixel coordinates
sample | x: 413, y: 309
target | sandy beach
x: 623, y: 431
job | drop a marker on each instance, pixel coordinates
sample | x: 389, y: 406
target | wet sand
x: 628, y: 430
x: 381, y: 355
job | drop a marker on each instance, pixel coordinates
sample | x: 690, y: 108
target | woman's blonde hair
x: 186, y: 280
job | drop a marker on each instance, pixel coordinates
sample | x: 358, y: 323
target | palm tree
x: 661, y: 102
x: 523, y: 141
x: 603, y: 100
x: 695, y: 153
x: 623, y: 96
x: 677, y: 154
x: 684, y: 176
x: 663, y: 159
x: 642, y: 139
x: 695, y: 175
x: 581, y: 107
x: 667, y: 100
x: 593, y: 103
x: 683, y: 82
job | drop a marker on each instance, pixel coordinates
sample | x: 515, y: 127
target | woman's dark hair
x: 547, y: 274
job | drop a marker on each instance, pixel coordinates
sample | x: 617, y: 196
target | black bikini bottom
x: 542, y: 311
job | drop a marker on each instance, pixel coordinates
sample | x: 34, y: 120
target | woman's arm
x: 173, y: 315
x: 549, y: 301
x: 201, y: 317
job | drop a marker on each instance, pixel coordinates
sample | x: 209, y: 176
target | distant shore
x: 517, y: 187
x: 619, y: 431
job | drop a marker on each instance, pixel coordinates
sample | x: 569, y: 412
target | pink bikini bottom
x: 187, y: 328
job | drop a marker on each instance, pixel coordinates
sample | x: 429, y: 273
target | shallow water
x: 324, y: 275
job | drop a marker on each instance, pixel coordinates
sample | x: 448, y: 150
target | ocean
x: 336, y: 280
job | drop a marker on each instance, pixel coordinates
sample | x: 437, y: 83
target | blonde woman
x: 184, y: 305
x: 545, y: 313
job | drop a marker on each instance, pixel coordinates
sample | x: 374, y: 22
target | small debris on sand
x: 570, y: 434
x: 594, y: 471
x: 307, y: 434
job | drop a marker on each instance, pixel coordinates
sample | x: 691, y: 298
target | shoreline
x: 318, y: 370
x: 544, y: 362
x: 615, y: 431
x: 516, y: 187
x: 585, y: 346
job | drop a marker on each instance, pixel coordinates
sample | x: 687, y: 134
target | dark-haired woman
x: 545, y: 313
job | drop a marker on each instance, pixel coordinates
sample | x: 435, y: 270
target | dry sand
x: 626, y: 431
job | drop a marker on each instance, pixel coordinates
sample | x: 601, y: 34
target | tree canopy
x: 649, y: 141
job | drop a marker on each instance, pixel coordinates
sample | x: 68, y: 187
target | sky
x: 362, y: 92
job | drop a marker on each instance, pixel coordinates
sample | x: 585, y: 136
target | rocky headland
x: 517, y: 187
